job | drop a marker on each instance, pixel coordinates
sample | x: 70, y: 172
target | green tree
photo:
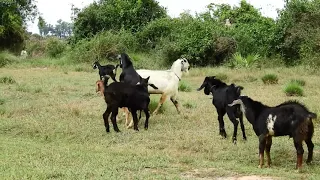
x: 116, y: 14
x: 14, y: 15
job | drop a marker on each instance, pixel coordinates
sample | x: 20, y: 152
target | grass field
x: 51, y: 127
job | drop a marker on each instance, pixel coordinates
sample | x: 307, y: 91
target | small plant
x: 183, y: 86
x: 239, y: 61
x: 7, y: 80
x: 293, y: 89
x: 2, y: 101
x: 222, y: 77
x: 189, y: 105
x: 298, y: 81
x: 2, y: 111
x: 270, y: 79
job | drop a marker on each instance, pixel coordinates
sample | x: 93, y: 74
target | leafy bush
x: 55, y: 47
x: 270, y: 79
x: 183, y: 86
x: 298, y: 81
x: 7, y: 80
x: 107, y: 44
x: 293, y: 89
x: 7, y: 58
x: 116, y: 15
x: 239, y: 61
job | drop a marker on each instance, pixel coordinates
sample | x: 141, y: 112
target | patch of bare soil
x: 212, y: 173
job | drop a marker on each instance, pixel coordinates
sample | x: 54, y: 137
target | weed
x: 298, y: 81
x: 184, y: 87
x: 7, y: 80
x: 293, y: 89
x: 270, y: 79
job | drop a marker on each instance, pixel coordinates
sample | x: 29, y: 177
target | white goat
x: 167, y: 81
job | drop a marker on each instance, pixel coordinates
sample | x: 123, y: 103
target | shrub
x: 7, y: 80
x: 104, y: 45
x: 239, y: 61
x: 270, y: 79
x: 293, y: 89
x: 55, y: 47
x: 183, y: 86
x: 298, y: 81
x: 7, y: 58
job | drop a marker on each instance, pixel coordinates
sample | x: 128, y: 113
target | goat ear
x: 240, y: 87
x: 148, y: 78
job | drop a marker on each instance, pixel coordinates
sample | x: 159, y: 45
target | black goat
x: 224, y: 94
x: 134, y: 97
x: 129, y: 75
x: 107, y: 70
x: 290, y: 118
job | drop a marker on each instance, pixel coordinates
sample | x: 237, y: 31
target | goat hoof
x: 308, y: 162
x: 234, y: 142
x: 260, y: 167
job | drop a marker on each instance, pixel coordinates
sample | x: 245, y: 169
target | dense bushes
x: 103, y: 15
x: 104, y: 29
x: 103, y: 45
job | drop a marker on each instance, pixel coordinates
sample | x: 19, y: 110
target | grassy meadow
x: 51, y: 127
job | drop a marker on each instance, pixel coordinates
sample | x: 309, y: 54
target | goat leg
x: 300, y: 151
x: 268, y: 147
x: 176, y: 104
x: 146, y: 123
x: 262, y: 145
x: 242, y: 128
x: 162, y: 100
x: 135, y: 120
x: 114, y: 120
x: 105, y: 118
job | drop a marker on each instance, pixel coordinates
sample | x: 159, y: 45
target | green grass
x: 58, y: 132
x: 298, y: 81
x: 270, y: 79
x: 184, y: 86
x: 7, y: 80
x: 293, y: 88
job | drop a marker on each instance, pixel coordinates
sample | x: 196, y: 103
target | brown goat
x: 99, y: 87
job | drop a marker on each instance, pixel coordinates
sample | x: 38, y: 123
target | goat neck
x: 125, y: 61
x: 176, y: 68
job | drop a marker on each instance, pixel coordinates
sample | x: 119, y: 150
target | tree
x: 42, y: 26
x: 14, y: 16
x: 116, y: 14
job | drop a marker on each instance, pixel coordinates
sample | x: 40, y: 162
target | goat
x: 130, y: 76
x: 100, y: 87
x: 290, y: 118
x: 167, y: 81
x: 224, y: 94
x: 107, y: 70
x: 134, y: 97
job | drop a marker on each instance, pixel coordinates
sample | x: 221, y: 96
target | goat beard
x: 239, y: 102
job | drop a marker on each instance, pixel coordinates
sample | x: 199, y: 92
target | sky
x: 52, y: 11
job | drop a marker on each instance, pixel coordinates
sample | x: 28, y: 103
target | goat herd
x: 290, y: 118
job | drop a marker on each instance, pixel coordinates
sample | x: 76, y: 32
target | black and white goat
x: 133, y: 97
x: 223, y: 95
x: 290, y: 118
x: 107, y: 70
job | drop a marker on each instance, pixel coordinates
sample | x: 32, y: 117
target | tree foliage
x: 14, y: 15
x: 130, y: 15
